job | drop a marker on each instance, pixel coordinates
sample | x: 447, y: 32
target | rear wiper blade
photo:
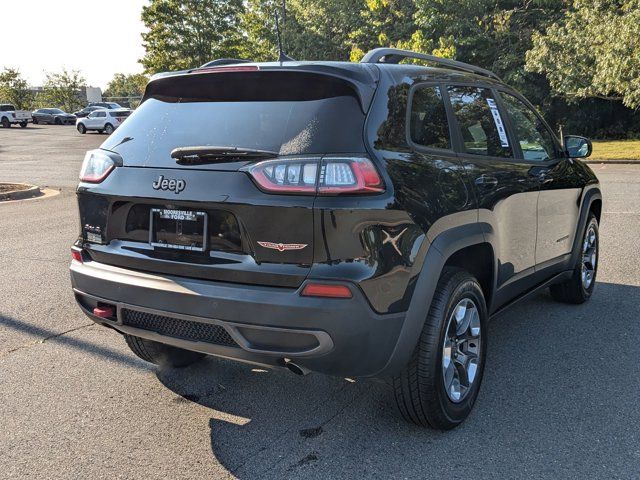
x: 199, y: 155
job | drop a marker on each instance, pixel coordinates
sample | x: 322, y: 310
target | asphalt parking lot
x: 559, y: 398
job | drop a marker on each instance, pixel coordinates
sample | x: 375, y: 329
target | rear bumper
x: 256, y: 324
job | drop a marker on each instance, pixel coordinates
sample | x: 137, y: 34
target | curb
x: 32, y: 191
x: 613, y: 162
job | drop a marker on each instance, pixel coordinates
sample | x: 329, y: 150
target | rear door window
x: 428, y: 126
x: 480, y: 122
x: 536, y: 142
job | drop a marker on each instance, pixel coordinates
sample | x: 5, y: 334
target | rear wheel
x: 160, y: 353
x: 440, y: 384
x: 23, y: 124
x: 57, y: 121
x: 108, y: 129
x: 81, y: 128
x: 35, y: 121
x: 579, y: 288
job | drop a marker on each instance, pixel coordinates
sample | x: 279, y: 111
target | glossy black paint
x: 518, y: 221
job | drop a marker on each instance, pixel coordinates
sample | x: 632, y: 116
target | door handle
x: 485, y: 181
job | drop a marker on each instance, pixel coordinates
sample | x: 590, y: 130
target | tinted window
x: 535, y: 140
x: 120, y: 114
x: 286, y: 113
x: 480, y: 122
x: 428, y: 123
x: 7, y: 108
x: 55, y: 110
x: 101, y: 114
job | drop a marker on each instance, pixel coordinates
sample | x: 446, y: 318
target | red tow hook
x: 104, y: 312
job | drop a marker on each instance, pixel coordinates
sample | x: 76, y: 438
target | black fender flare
x: 438, y: 252
x: 591, y: 194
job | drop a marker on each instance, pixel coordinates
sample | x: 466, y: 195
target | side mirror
x: 577, y: 147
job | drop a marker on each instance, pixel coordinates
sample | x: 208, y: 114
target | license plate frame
x: 179, y: 216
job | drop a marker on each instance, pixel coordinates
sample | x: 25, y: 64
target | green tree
x: 188, y: 33
x: 62, y: 90
x: 122, y: 85
x: 593, y: 51
x: 14, y: 89
x: 311, y: 29
x: 494, y: 34
x: 388, y: 23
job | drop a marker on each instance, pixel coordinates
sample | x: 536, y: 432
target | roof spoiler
x: 395, y: 55
x: 363, y: 81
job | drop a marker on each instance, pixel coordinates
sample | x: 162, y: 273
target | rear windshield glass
x: 120, y: 114
x: 288, y: 114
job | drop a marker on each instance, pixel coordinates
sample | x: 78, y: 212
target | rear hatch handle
x: 199, y: 155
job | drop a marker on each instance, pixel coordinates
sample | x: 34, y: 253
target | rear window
x: 120, y: 114
x: 285, y: 112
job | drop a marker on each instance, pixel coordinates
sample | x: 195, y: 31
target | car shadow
x: 559, y: 399
x: 551, y: 370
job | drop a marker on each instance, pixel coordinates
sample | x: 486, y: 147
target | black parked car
x: 359, y: 220
x: 107, y: 105
x: 53, y: 116
x: 86, y: 111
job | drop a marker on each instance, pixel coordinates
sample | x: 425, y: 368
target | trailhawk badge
x: 281, y: 247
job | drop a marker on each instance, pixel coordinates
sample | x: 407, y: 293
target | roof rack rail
x: 223, y: 61
x: 395, y: 55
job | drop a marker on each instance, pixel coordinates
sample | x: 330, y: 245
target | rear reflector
x: 76, y: 255
x: 104, y: 312
x: 325, y: 290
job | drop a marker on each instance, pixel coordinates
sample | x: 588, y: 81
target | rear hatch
x: 204, y: 216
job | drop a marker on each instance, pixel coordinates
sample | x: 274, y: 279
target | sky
x: 97, y: 37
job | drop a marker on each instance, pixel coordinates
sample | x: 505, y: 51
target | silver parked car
x: 103, y: 120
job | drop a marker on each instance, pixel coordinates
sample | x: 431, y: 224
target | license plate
x: 178, y: 229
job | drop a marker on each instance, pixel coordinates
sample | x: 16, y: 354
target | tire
x: 160, y: 353
x: 5, y: 122
x: 57, y: 121
x: 578, y: 289
x: 81, y: 128
x: 108, y: 129
x: 35, y: 121
x: 23, y: 124
x: 100, y: 131
x: 419, y: 389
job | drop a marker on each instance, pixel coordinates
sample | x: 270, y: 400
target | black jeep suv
x: 360, y: 220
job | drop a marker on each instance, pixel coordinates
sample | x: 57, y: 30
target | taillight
x: 97, y: 166
x: 308, y: 176
x: 76, y: 255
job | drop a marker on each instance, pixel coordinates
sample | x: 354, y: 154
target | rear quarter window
x: 428, y: 125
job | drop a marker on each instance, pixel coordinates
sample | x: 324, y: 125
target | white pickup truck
x: 9, y: 115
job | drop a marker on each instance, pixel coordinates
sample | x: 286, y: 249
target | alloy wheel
x: 589, y: 257
x: 461, y: 350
